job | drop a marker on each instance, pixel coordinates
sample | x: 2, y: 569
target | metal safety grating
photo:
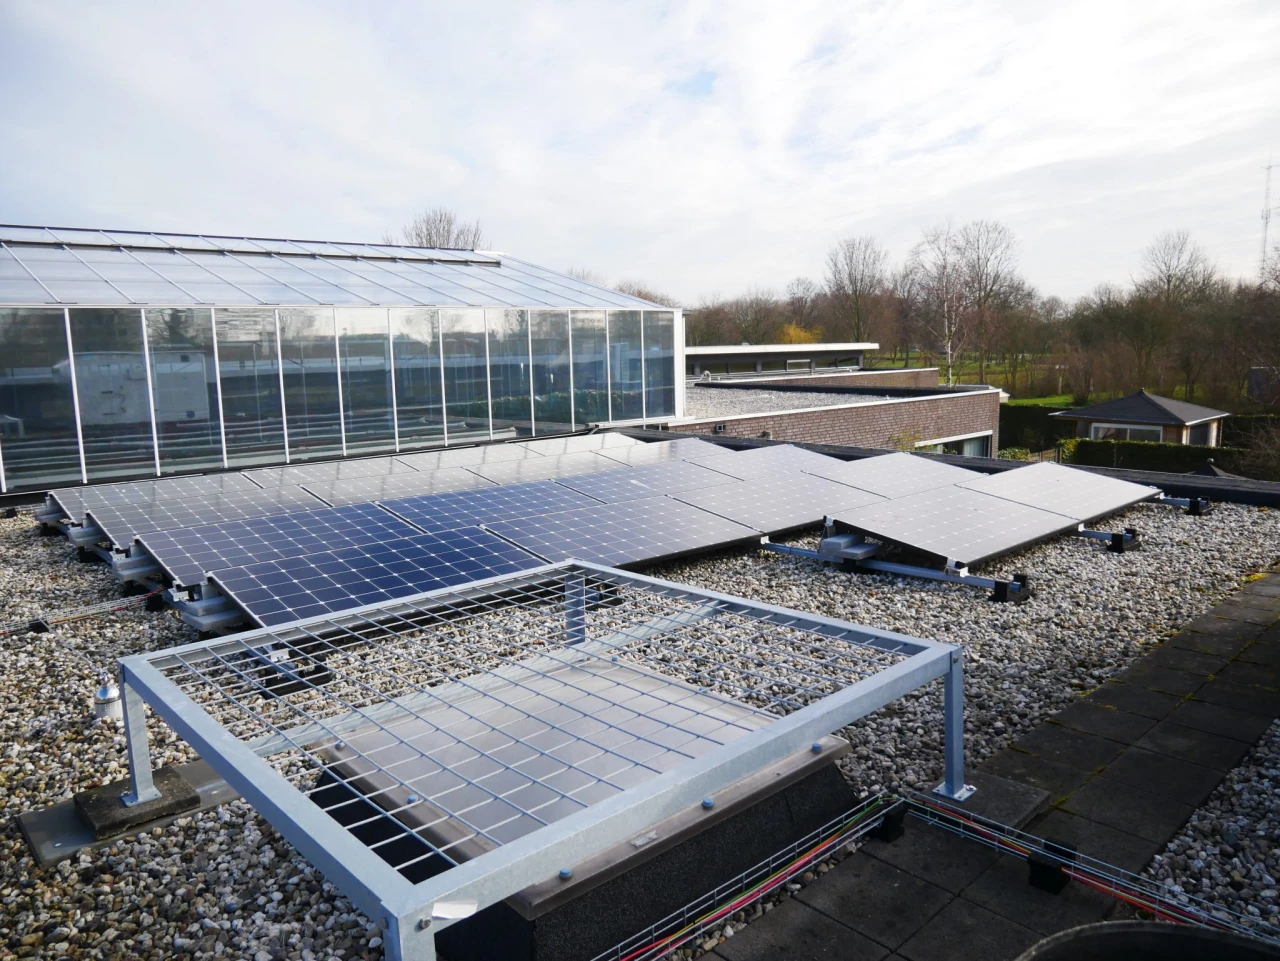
x: 513, y: 727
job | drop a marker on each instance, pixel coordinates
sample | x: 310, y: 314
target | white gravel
x: 726, y: 402
x: 224, y: 884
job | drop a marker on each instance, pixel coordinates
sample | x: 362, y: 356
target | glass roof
x: 59, y: 265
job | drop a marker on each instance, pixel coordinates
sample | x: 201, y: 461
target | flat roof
x: 799, y: 350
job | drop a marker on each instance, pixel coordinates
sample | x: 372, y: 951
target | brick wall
x: 896, y: 423
x: 912, y: 377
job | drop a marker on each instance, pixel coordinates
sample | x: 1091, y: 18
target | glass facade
x: 102, y: 393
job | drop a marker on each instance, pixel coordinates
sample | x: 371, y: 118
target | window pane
x: 417, y: 362
x: 249, y: 371
x: 659, y: 363
x: 624, y: 364
x: 310, y: 383
x: 590, y: 367
x: 184, y: 388
x: 466, y: 392
x: 1200, y: 435
x: 111, y: 379
x: 509, y: 371
x: 37, y: 412
x: 365, y: 350
x: 550, y: 331
x: 1146, y: 433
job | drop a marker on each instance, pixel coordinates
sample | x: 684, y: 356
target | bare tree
x: 803, y: 296
x: 904, y: 289
x: 438, y: 227
x: 755, y: 315
x: 645, y: 292
x: 587, y: 275
x: 989, y: 266
x: 1175, y: 270
x: 939, y: 271
x: 857, y: 269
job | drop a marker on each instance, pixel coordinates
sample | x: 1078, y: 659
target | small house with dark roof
x: 1144, y: 416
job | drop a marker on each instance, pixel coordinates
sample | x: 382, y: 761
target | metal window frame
x: 217, y: 380
x: 409, y: 913
x: 151, y: 393
x: 75, y: 393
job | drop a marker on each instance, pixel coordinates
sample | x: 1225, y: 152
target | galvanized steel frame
x: 410, y: 913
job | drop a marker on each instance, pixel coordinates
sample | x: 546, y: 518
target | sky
x: 699, y: 148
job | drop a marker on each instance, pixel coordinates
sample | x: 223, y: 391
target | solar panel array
x: 303, y: 540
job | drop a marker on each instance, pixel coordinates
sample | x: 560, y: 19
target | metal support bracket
x: 142, y: 785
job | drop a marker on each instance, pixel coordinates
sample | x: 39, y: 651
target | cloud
x: 698, y: 147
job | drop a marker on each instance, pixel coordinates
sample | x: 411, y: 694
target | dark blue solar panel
x: 442, y: 512
x: 624, y: 533
x: 635, y: 482
x: 187, y: 555
x: 295, y: 588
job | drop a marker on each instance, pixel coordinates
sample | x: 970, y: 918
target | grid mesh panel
x: 438, y: 729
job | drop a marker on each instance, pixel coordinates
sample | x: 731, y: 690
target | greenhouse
x: 130, y: 354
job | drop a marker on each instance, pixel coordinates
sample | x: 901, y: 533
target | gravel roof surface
x: 726, y: 402
x: 223, y: 884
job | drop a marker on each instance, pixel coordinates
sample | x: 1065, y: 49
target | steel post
x: 953, y: 785
x: 142, y: 786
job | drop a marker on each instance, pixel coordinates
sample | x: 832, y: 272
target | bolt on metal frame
x: 739, y: 684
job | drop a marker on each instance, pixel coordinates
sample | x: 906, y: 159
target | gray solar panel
x: 121, y: 523
x: 550, y: 467
x: 325, y: 471
x: 767, y: 461
x: 276, y: 592
x: 664, y: 451
x: 1064, y: 490
x: 76, y: 500
x: 784, y: 501
x: 625, y: 533
x: 960, y: 526
x: 894, y: 475
x: 467, y: 456
x: 636, y: 482
x: 363, y: 490
x: 579, y: 443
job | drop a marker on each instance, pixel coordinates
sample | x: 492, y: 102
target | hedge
x: 1148, y: 455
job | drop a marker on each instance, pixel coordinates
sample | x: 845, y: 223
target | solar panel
x: 624, y: 533
x: 894, y: 475
x: 635, y: 482
x: 960, y: 526
x: 467, y: 456
x: 778, y: 503
x: 123, y: 522
x: 767, y: 461
x: 325, y: 471
x: 364, y: 490
x: 580, y: 442
x: 664, y: 451
x: 276, y: 592
x: 76, y: 500
x: 187, y: 555
x: 441, y: 512
x: 549, y: 467
x: 1063, y: 490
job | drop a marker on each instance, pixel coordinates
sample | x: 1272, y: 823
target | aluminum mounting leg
x: 142, y: 787
x: 953, y: 785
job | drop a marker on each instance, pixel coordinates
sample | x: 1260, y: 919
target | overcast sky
x: 700, y: 148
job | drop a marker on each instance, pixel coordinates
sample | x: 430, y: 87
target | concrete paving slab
x: 1181, y: 659
x: 1242, y: 697
x: 940, y: 857
x: 1135, y: 699
x: 795, y: 930
x: 1223, y: 626
x: 1224, y: 721
x: 1210, y: 643
x: 1005, y: 800
x: 1154, y: 817
x: 1251, y: 673
x: 1180, y: 780
x: 1155, y: 678
x: 876, y: 899
x: 1004, y: 889
x: 1057, y: 780
x: 1098, y: 840
x: 1249, y: 614
x: 1260, y: 601
x: 1198, y: 747
x: 1103, y: 721
x: 964, y: 931
x: 1086, y: 752
x: 1263, y: 651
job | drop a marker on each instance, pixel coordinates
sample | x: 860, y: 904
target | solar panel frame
x: 626, y: 533
x: 1064, y: 490
x: 279, y: 592
x: 440, y: 512
x: 782, y: 502
x: 894, y: 475
x: 364, y: 490
x: 187, y: 555
x: 961, y: 527
x: 633, y: 483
